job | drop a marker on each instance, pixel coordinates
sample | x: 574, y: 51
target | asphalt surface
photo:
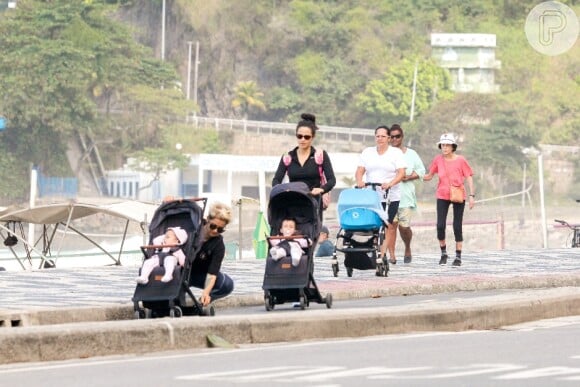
x: 55, y: 314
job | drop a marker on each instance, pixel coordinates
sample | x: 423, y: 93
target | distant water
x: 131, y: 256
x: 91, y: 256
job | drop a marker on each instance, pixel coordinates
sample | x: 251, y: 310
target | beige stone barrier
x: 88, y: 339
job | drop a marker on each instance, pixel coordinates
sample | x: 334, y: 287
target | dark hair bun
x: 308, y: 117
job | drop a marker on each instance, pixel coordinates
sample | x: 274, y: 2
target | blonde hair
x: 220, y: 211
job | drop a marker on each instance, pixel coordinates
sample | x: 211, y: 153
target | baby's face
x: 288, y: 228
x: 171, y: 238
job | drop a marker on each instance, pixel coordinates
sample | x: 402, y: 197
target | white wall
x: 229, y: 173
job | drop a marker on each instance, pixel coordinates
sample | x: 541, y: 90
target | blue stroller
x: 284, y: 282
x: 362, y: 231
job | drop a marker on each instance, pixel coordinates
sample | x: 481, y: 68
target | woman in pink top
x: 452, y: 170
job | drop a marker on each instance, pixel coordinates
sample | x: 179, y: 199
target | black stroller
x: 282, y: 281
x: 159, y: 299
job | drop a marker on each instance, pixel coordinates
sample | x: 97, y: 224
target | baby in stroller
x: 169, y: 252
x: 288, y: 243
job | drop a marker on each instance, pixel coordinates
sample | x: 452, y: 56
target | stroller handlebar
x: 287, y: 237
x: 157, y: 246
x: 374, y: 186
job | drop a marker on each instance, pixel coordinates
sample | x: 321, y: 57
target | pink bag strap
x: 286, y: 159
x: 319, y: 159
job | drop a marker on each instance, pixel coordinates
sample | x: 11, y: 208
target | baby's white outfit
x: 278, y: 252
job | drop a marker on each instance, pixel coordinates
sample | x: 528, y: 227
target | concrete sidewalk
x: 51, y: 310
x: 24, y: 291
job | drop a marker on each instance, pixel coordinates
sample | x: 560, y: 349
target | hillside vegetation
x: 351, y: 62
x: 92, y: 66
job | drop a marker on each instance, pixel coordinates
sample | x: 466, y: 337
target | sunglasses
x: 397, y: 136
x: 303, y: 136
x: 213, y: 226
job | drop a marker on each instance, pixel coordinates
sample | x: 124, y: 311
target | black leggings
x: 391, y: 211
x: 442, y: 210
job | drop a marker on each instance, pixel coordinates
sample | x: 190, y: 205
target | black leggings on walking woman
x: 442, y: 210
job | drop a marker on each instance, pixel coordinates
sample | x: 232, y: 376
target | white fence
x: 328, y: 133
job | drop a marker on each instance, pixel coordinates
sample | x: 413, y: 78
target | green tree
x: 66, y: 66
x: 282, y: 102
x: 497, y: 149
x: 248, y: 97
x: 390, y: 97
x: 212, y: 143
x: 492, y: 133
x: 157, y: 161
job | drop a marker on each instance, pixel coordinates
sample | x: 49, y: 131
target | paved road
x: 533, y: 354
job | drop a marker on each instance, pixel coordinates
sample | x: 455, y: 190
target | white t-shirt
x: 383, y: 168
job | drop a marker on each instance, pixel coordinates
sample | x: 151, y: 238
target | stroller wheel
x: 269, y: 302
x: 328, y: 300
x: 335, y: 269
x: 175, y: 312
x: 209, y: 311
x: 140, y: 314
x: 382, y: 269
x: 302, y: 302
x: 349, y: 271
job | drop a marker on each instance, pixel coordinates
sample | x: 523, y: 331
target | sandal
x: 393, y: 261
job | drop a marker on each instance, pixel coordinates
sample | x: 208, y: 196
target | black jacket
x: 307, y: 173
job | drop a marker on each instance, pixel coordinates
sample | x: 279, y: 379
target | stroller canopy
x: 185, y: 214
x: 293, y: 200
x: 360, y: 209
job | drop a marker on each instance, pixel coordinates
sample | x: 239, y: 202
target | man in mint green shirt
x: 415, y: 170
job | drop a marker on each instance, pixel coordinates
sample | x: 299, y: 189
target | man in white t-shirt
x: 384, y: 165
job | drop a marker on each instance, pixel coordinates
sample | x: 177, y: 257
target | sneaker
x: 443, y: 260
x: 456, y: 262
x: 407, y: 259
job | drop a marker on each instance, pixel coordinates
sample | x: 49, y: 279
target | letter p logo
x: 552, y: 28
x: 551, y: 23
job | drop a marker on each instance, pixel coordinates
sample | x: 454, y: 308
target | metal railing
x: 328, y: 133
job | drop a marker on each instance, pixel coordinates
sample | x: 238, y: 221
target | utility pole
x: 413, y: 95
x: 188, y: 70
x: 195, y: 73
x: 163, y: 31
x: 542, y: 202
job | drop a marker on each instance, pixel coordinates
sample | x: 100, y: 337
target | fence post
x: 501, y: 232
x: 240, y: 229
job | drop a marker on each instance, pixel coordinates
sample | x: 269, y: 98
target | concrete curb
x: 81, y: 340
x: 112, y: 312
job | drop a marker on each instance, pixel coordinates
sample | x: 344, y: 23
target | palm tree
x: 247, y: 97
